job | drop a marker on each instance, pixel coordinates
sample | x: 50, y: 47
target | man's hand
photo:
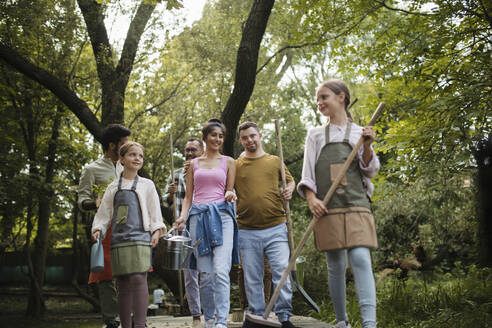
x: 171, y: 190
x: 89, y: 205
x: 287, y: 192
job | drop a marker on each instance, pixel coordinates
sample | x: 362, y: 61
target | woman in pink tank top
x: 208, y: 211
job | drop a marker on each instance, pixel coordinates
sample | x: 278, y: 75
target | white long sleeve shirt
x: 315, y: 142
x: 149, y: 204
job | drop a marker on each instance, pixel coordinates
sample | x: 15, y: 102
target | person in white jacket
x: 345, y: 225
x: 131, y: 205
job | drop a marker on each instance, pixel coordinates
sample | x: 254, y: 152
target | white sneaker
x: 219, y: 325
x: 343, y: 324
x: 210, y: 323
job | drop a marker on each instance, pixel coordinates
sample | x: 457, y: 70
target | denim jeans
x: 360, y: 262
x: 214, y: 268
x: 192, y: 291
x: 273, y: 242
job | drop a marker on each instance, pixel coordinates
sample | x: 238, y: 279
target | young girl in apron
x: 209, y: 213
x: 346, y: 224
x: 131, y: 205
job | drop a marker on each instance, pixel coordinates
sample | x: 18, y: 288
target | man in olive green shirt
x: 99, y: 174
x: 261, y: 221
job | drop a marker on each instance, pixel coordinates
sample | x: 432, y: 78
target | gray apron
x: 349, y: 222
x: 130, y: 243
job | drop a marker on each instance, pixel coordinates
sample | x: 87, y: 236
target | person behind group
x: 346, y: 223
x: 261, y: 221
x: 209, y: 213
x: 158, y: 293
x: 100, y: 173
x: 130, y: 206
x: 193, y: 149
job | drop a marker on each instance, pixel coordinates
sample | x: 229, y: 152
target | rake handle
x: 284, y: 183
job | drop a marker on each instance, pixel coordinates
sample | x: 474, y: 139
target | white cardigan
x: 315, y: 141
x: 149, y: 204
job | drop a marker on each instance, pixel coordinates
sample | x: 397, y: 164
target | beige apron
x: 349, y: 222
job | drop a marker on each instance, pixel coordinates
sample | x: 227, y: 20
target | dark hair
x: 338, y: 86
x: 193, y: 139
x: 212, y: 123
x: 126, y: 147
x: 247, y: 125
x: 113, y: 133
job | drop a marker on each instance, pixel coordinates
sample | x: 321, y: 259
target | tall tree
x: 113, y: 79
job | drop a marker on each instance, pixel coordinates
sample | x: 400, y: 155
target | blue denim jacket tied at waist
x: 209, y: 227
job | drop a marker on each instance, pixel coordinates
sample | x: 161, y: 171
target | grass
x: 61, y: 311
x: 458, y: 300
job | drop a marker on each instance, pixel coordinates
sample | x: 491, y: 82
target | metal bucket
x: 176, y: 250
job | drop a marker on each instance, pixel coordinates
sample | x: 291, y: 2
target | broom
x: 256, y: 321
x: 293, y: 274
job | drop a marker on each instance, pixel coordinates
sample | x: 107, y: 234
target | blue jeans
x: 274, y: 243
x: 192, y: 291
x: 214, y: 268
x: 360, y: 262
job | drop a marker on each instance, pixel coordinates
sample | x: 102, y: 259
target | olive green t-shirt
x: 257, y: 184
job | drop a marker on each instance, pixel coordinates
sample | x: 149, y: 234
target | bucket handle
x: 175, y: 230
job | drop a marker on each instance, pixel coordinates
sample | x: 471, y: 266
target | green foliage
x: 457, y: 299
x: 437, y: 215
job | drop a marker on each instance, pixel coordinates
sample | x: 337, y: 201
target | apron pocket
x: 361, y: 230
x: 130, y: 258
x: 329, y: 232
x: 335, y: 169
x: 122, y: 214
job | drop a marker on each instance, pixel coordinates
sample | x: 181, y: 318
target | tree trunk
x: 483, y: 156
x: 246, y: 65
x: 45, y: 195
x: 76, y: 261
x: 114, y: 80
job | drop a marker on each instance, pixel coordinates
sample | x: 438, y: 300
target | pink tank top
x: 209, y: 184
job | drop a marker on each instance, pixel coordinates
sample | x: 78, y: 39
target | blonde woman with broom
x: 345, y: 224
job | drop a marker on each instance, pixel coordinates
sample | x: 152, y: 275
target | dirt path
x: 183, y: 322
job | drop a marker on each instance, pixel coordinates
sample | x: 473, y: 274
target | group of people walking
x: 236, y: 208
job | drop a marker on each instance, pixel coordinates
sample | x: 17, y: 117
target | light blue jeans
x: 214, y: 268
x: 360, y: 262
x: 192, y: 291
x: 274, y: 243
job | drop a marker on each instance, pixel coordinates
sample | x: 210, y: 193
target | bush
x: 458, y: 299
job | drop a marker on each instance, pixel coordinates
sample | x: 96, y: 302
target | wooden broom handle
x: 284, y: 183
